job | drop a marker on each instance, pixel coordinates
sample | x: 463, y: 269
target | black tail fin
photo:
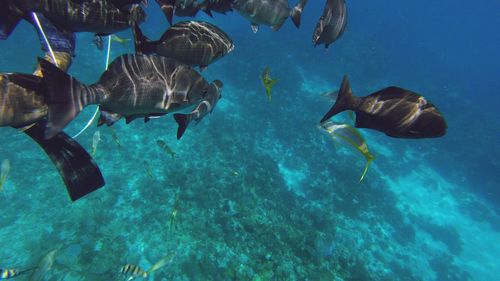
x: 8, y: 21
x: 297, y: 12
x: 66, y: 97
x: 77, y: 169
x: 167, y: 7
x: 345, y: 100
x: 142, y: 44
x: 183, y: 121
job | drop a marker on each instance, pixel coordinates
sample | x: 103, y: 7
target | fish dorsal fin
x: 255, y: 27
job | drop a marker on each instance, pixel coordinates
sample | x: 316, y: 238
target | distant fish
x: 148, y: 169
x: 95, y: 142
x: 133, y: 271
x: 98, y: 42
x: 349, y: 135
x: 332, y: 23
x: 11, y: 273
x: 219, y: 6
x: 120, y: 40
x: 268, y: 82
x: 271, y: 13
x: 43, y: 267
x: 397, y: 112
x: 4, y: 172
x: 194, y: 43
x: 133, y: 86
x: 203, y: 109
x: 23, y: 106
x: 175, y: 210
x: 164, y: 146
x: 115, y: 138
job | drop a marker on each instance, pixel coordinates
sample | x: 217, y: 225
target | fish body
x: 191, y: 42
x: 349, y: 135
x: 163, y: 145
x: 332, y: 23
x: 97, y: 16
x: 134, y: 86
x: 21, y: 100
x: 268, y: 82
x: 395, y: 111
x: 133, y: 271
x: 203, y: 109
x: 270, y: 13
x: 95, y: 142
x: 4, y: 172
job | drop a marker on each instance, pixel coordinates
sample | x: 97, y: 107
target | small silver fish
x: 95, y: 142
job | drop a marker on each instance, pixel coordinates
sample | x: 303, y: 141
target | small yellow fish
x: 115, y: 137
x: 348, y: 134
x: 11, y: 273
x: 166, y: 148
x: 175, y: 210
x: 120, y: 40
x: 148, y: 169
x: 268, y: 82
x: 4, y: 172
x: 133, y: 271
x: 95, y: 142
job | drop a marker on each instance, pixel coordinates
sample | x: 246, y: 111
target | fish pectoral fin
x: 255, y: 27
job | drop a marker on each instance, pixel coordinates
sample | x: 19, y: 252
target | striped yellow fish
x: 134, y: 271
x: 11, y: 273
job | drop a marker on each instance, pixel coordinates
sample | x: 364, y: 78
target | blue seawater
x: 262, y: 193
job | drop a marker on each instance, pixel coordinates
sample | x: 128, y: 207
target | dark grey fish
x: 219, y: 6
x: 134, y: 86
x: 190, y: 42
x: 97, y: 16
x: 269, y: 12
x: 22, y: 105
x: 203, y: 109
x: 181, y: 8
x: 332, y: 23
x: 397, y: 112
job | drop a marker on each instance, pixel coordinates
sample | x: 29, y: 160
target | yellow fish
x: 175, y: 210
x: 348, y: 134
x: 95, y: 142
x: 4, y: 172
x: 148, y: 169
x: 163, y: 145
x: 268, y: 82
x: 133, y: 271
x: 120, y: 40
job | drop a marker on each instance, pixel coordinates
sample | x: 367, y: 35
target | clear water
x: 263, y: 194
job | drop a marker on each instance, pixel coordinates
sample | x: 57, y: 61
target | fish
x: 195, y: 43
x: 175, y: 210
x: 164, y: 146
x: 97, y: 16
x: 268, y: 82
x: 397, y: 112
x: 4, y: 172
x: 44, y: 266
x: 132, y: 271
x: 148, y: 169
x: 114, y: 136
x: 120, y: 40
x: 98, y: 42
x: 331, y: 24
x: 347, y: 134
x: 182, y: 8
x: 23, y: 106
x: 219, y: 6
x: 11, y: 273
x: 133, y: 86
x: 203, y: 109
x: 271, y: 13
x: 95, y: 142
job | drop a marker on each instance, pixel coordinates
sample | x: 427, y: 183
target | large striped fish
x: 332, y: 23
x: 134, y: 86
x: 269, y: 12
x: 191, y: 42
x: 97, y: 16
x: 23, y: 106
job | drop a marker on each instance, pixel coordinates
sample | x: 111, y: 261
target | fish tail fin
x: 65, y: 96
x: 183, y: 122
x: 297, y: 12
x: 369, y: 160
x: 161, y: 263
x: 77, y: 169
x: 167, y: 6
x: 8, y: 22
x: 345, y: 100
x: 142, y: 44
